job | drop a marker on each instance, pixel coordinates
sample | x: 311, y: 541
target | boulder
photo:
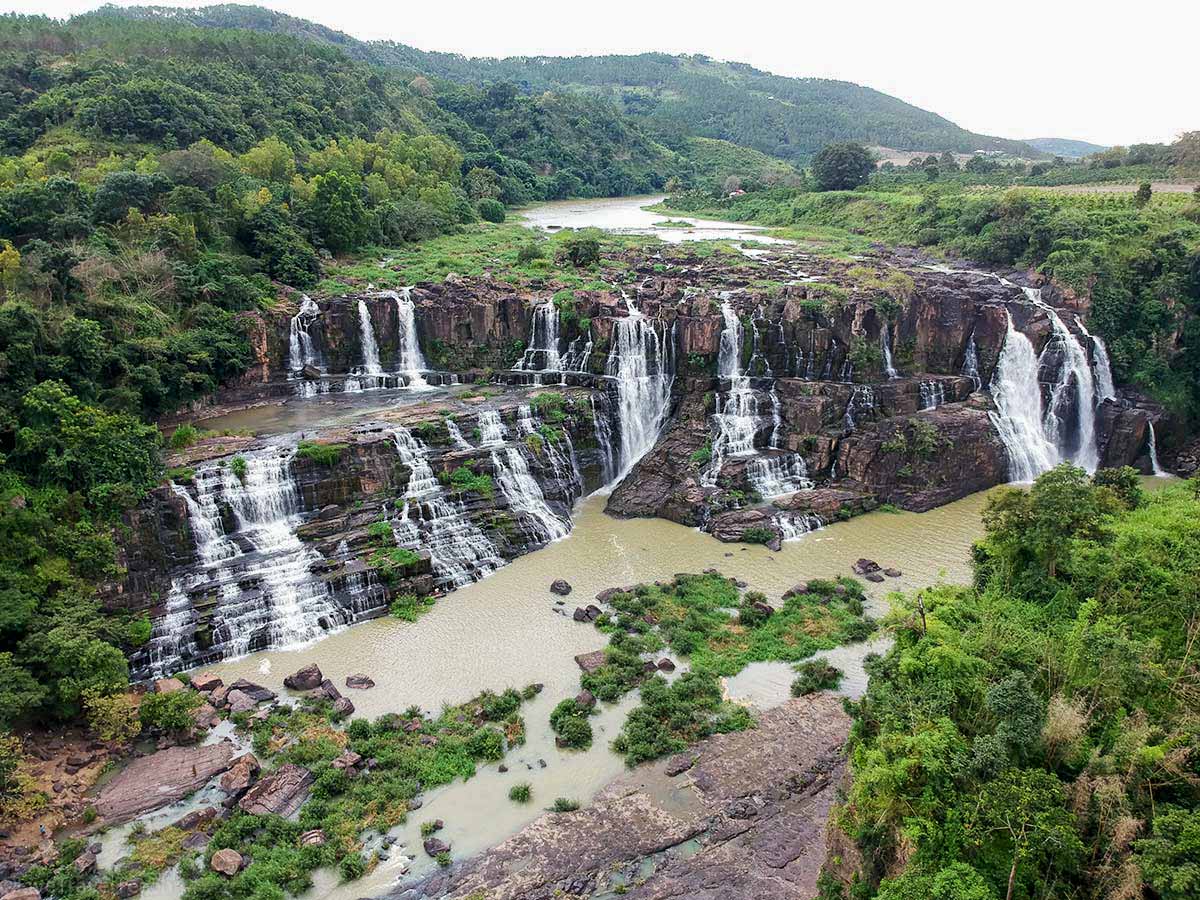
x: 874, y: 576
x: 241, y: 775
x: 561, y: 587
x: 160, y: 779
x: 328, y: 690
x: 585, y: 699
x: 590, y: 662
x: 281, y: 793
x: 311, y: 372
x: 304, y: 679
x: 168, y: 685
x: 256, y: 692
x: 593, y: 612
x: 85, y: 863
x: 359, y: 682
x: 666, y: 665
x: 25, y: 893
x: 892, y: 573
x: 433, y: 846
x: 865, y: 566
x: 206, y: 681
x: 239, y: 701
x: 342, y: 708
x: 197, y: 818
x: 228, y: 862
x: 127, y: 889
x: 196, y: 841
x: 763, y: 609
x: 347, y: 760
x: 314, y: 838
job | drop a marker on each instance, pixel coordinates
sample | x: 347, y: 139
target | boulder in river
x: 433, y: 846
x: 873, y: 576
x: 561, y: 587
x: 206, y: 681
x: 360, y: 682
x: 865, y: 566
x: 127, y: 889
x: 304, y: 679
x: 342, y: 708
x: 228, y: 862
x: 167, y: 685
x: 281, y: 793
x: 892, y: 573
x: 239, y: 701
x: 256, y: 692
x: 161, y: 778
x: 241, y: 775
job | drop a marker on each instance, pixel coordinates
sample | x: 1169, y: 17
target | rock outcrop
x: 752, y: 806
x: 160, y: 779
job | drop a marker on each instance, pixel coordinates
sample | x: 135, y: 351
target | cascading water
x: 302, y: 350
x: 604, y: 441
x: 1105, y: 388
x: 542, y: 354
x: 547, y: 440
x: 641, y: 366
x: 862, y: 400
x: 456, y: 435
x: 409, y: 360
x: 778, y: 476
x: 933, y: 394
x: 886, y: 343
x: 794, y: 526
x: 458, y: 550
x: 1070, y: 416
x: 1152, y: 449
x: 525, y: 496
x: 491, y: 429
x: 971, y: 362
x: 259, y: 577
x: 736, y: 416
x: 370, y: 374
x: 1018, y: 417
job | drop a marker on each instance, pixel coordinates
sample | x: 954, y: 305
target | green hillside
x: 674, y: 96
x: 1065, y: 147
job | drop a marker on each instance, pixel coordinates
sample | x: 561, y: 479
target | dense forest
x: 674, y: 97
x: 1037, y: 734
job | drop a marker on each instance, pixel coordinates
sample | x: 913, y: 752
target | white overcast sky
x: 1107, y: 73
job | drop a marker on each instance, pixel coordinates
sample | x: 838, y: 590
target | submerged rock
x: 560, y: 587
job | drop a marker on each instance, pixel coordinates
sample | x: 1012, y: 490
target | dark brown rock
x: 280, y: 793
x: 590, y: 662
x: 127, y: 889
x: 360, y: 682
x: 560, y: 587
x: 433, y: 846
x: 304, y: 679
x: 241, y: 775
x: 206, y: 681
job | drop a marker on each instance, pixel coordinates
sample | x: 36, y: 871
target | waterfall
x: 370, y: 372
x: 302, y: 351
x: 1018, y: 416
x: 794, y: 526
x: 862, y: 397
x: 491, y: 429
x: 736, y: 416
x: 1152, y: 448
x: 888, y: 368
x: 542, y: 354
x: 1074, y: 391
x: 577, y: 357
x: 777, y: 476
x: 525, y: 496
x: 971, y: 362
x: 1105, y: 389
x: 641, y: 367
x: 456, y: 435
x: 258, y: 577
x: 933, y: 394
x: 458, y: 550
x: 409, y: 361
x: 565, y: 466
x: 604, y: 442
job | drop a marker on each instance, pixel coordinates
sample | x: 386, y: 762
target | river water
x: 628, y: 215
x: 507, y: 630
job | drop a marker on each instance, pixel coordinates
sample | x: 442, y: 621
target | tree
x: 1170, y: 857
x: 842, y: 167
x: 1142, y: 196
x: 338, y: 213
x: 491, y: 210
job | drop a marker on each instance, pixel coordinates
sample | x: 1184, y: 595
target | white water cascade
x: 640, y: 363
x: 525, y: 496
x: 971, y: 362
x: 302, y: 350
x: 491, y: 429
x: 260, y: 575
x: 794, y: 526
x: 370, y: 374
x: 542, y: 355
x: 409, y: 360
x: 933, y: 394
x: 456, y: 435
x: 1152, y: 449
x: 459, y: 551
x: 1018, y: 417
x: 736, y: 416
x: 1074, y: 390
x: 778, y: 476
x: 1105, y: 388
x: 885, y: 341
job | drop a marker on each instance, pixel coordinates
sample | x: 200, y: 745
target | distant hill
x: 675, y: 97
x: 1065, y: 147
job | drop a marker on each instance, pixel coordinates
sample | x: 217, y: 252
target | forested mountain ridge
x: 1066, y: 147
x: 674, y: 96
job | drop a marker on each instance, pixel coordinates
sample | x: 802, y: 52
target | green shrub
x: 320, y: 454
x: 410, y: 607
x: 184, y: 436
x: 520, y: 793
x: 238, y: 466
x: 758, y: 535
x: 815, y: 675
x: 491, y: 210
x: 564, y: 805
x: 169, y: 712
x: 569, y: 721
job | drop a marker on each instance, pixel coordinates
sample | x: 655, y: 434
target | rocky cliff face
x: 791, y: 391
